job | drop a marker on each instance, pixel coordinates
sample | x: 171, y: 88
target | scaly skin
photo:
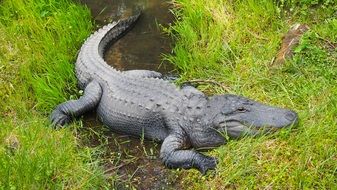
x: 139, y: 102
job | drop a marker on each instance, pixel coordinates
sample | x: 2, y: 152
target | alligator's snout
x: 240, y: 115
x: 269, y: 117
x: 280, y: 118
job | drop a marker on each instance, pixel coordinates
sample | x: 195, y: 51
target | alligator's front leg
x: 64, y: 112
x: 173, y: 155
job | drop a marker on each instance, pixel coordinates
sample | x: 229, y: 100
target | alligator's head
x: 236, y: 116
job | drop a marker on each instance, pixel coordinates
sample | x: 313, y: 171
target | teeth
x: 234, y: 124
x: 236, y: 129
x: 230, y: 124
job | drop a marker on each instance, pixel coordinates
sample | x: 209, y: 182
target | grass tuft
x: 234, y: 43
x: 39, y: 40
x: 50, y: 34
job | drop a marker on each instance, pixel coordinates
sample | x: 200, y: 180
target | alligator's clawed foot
x: 208, y: 163
x: 59, y: 119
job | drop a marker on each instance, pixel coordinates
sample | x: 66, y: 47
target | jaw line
x: 239, y: 129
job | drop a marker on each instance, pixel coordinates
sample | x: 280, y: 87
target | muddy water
x: 135, y: 162
x: 143, y: 46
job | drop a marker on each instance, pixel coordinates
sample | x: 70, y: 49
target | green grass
x: 38, y: 45
x: 234, y: 43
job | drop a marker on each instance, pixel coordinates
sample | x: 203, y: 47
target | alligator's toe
x: 59, y: 119
x: 208, y: 163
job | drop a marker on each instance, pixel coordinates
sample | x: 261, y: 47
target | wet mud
x: 135, y: 161
x: 130, y: 162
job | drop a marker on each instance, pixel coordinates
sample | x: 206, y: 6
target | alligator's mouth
x: 237, y: 129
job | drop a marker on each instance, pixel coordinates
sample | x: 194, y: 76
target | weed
x: 234, y: 43
x: 39, y: 40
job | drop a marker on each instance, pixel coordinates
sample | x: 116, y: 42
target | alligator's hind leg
x: 64, y: 112
x: 144, y: 73
x: 173, y: 155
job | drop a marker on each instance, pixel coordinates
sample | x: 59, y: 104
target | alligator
x: 142, y: 103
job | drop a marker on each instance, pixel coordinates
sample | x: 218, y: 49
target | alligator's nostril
x: 291, y: 116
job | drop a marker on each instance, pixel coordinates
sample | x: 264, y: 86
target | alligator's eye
x: 241, y: 109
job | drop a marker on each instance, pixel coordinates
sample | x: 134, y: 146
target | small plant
x: 240, y: 56
x: 39, y: 40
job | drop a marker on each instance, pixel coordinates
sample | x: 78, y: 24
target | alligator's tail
x: 117, y: 31
x: 90, y: 58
